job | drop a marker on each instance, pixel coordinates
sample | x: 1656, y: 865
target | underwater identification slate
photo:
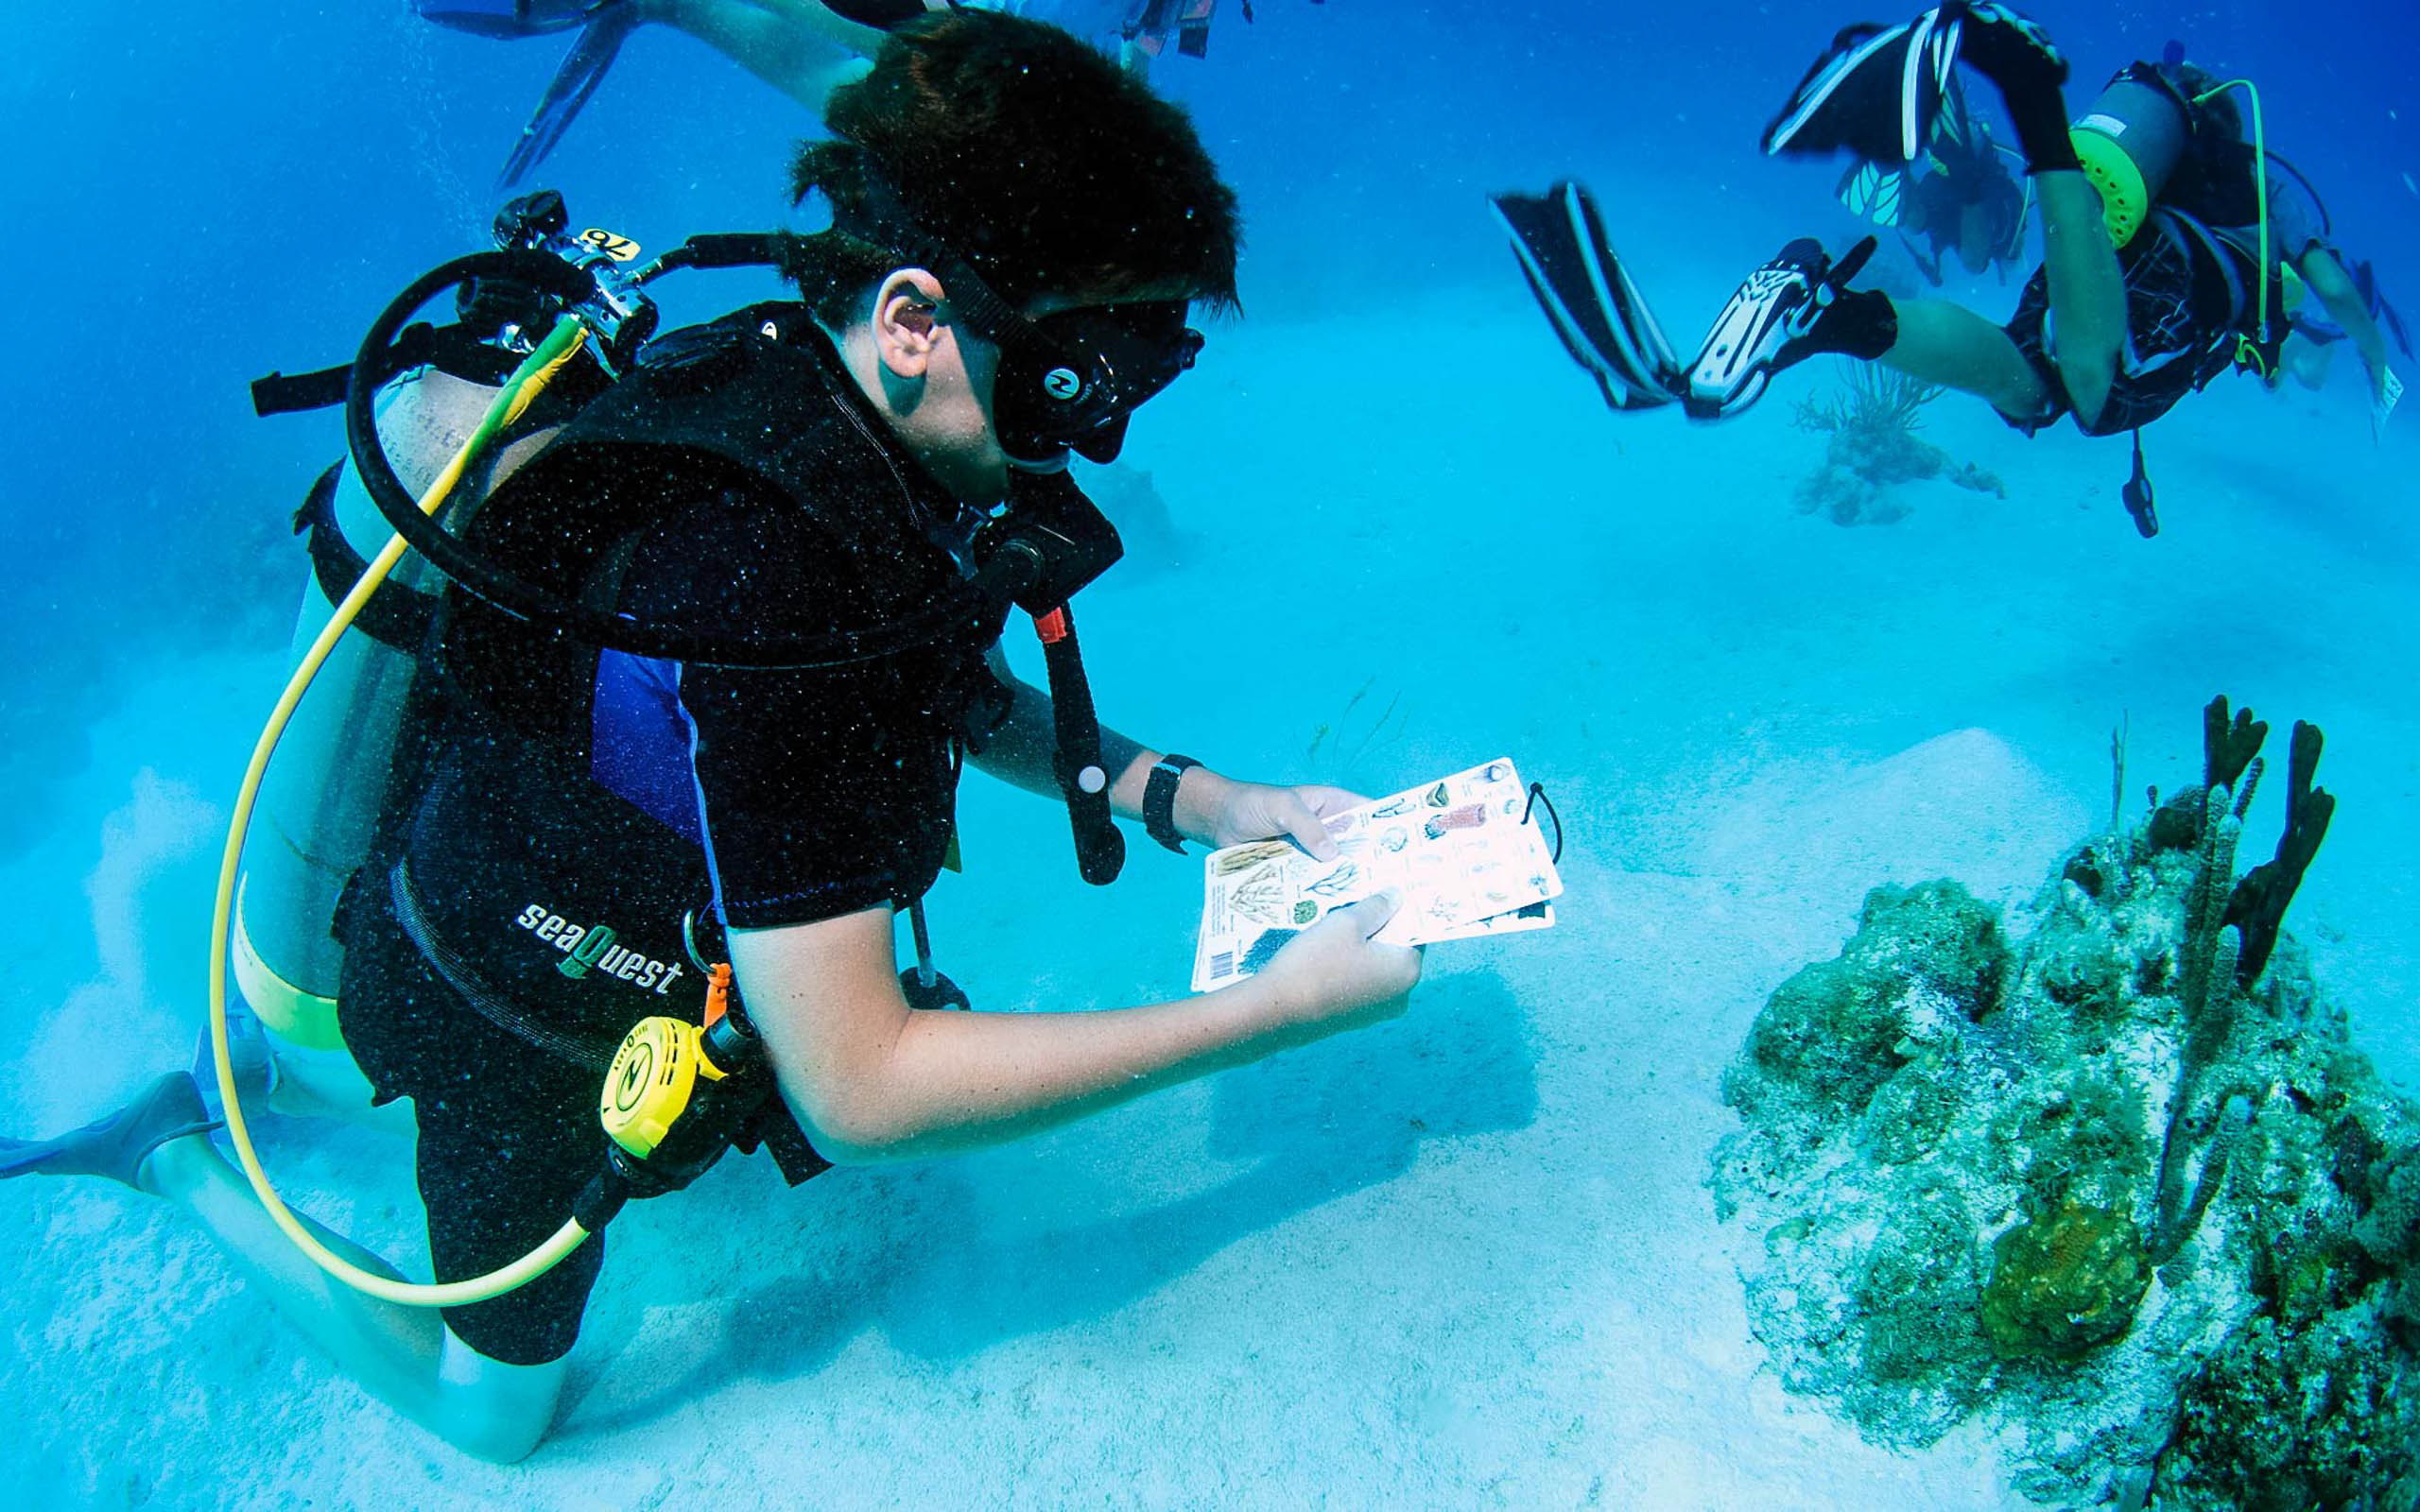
x: 1463, y: 850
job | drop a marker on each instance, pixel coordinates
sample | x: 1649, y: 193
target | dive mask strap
x: 890, y: 223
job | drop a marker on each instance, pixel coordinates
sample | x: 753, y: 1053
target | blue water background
x: 197, y: 196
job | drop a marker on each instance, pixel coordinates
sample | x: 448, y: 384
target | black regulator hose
x: 557, y: 280
x: 1101, y: 849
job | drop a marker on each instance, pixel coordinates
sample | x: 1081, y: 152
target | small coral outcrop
x: 2063, y: 1283
x: 1873, y: 418
x: 1831, y: 1036
x: 2114, y: 1180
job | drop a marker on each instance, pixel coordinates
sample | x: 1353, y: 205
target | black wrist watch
x: 1159, y: 801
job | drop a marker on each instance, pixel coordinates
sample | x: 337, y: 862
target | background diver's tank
x: 2130, y: 143
x: 320, y: 797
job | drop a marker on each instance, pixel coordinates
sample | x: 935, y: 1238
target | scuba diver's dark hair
x: 1027, y: 151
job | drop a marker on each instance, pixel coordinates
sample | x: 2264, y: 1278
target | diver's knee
x: 484, y: 1431
x: 2088, y: 377
x: 2022, y: 398
x: 497, y: 1443
x: 491, y: 1410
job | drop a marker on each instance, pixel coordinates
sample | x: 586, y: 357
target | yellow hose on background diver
x: 525, y: 385
x: 2261, y: 190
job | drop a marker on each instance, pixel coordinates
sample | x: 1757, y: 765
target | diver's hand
x: 1335, y: 969
x: 2009, y: 49
x: 2385, y: 389
x: 1220, y: 811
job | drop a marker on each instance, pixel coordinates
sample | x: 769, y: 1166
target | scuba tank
x: 320, y: 806
x: 318, y: 810
x: 2130, y: 143
x: 2155, y: 137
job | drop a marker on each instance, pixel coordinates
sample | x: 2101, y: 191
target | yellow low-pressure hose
x: 2260, y: 192
x: 525, y: 385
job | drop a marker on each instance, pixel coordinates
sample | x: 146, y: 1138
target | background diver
x: 2311, y: 347
x: 2169, y: 255
x: 804, y: 48
x: 823, y: 467
x: 1960, y: 197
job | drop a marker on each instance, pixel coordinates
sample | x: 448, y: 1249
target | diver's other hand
x: 1336, y: 968
x: 1224, y: 812
x: 2386, y: 391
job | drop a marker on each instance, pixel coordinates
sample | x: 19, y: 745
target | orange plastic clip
x: 718, y: 994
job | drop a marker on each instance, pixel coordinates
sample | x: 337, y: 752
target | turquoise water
x: 1463, y: 1258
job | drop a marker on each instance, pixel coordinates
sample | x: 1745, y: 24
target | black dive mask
x: 1072, y: 381
x: 1068, y: 382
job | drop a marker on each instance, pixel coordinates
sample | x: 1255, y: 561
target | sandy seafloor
x: 1461, y: 1259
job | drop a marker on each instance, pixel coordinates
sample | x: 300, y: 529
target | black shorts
x: 508, y: 1133
x: 2179, y: 313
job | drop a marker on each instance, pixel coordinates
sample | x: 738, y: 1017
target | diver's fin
x: 1769, y: 323
x: 582, y: 70
x: 2365, y: 279
x: 505, y: 20
x: 2393, y: 324
x: 883, y: 15
x: 1872, y: 191
x: 1588, y: 298
x: 1878, y: 92
x: 114, y: 1146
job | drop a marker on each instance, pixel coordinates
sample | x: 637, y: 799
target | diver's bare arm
x: 873, y: 1079
x: 1019, y: 753
x: 798, y: 47
x: 2335, y: 290
x: 2088, y: 294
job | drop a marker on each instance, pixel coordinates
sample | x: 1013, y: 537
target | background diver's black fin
x: 582, y: 70
x: 1560, y: 241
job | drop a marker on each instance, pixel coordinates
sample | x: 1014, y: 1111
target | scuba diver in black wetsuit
x: 2171, y: 251
x: 717, y: 633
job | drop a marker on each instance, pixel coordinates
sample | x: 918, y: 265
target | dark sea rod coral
x: 2119, y: 1188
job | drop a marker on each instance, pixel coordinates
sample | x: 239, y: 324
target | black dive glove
x: 2016, y: 55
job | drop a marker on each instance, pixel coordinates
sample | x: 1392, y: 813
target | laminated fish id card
x: 1465, y: 852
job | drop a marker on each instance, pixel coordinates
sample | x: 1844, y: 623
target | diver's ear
x: 905, y: 321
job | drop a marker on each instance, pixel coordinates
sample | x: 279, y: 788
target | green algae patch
x: 2062, y: 1285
